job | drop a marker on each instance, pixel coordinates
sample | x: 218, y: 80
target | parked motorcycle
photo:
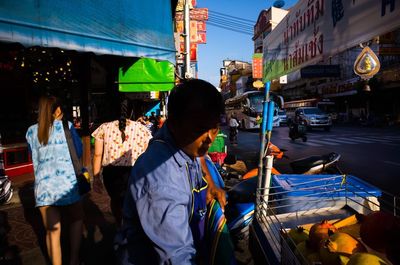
x: 297, y: 130
x: 241, y: 197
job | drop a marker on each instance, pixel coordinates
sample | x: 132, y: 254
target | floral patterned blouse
x: 116, y: 152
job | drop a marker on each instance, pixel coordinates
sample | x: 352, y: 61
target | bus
x: 247, y: 106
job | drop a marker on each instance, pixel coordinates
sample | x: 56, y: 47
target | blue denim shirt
x: 158, y: 205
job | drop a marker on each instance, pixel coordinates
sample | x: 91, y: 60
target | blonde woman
x: 56, y: 190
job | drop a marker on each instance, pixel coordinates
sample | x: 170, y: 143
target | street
x: 368, y: 153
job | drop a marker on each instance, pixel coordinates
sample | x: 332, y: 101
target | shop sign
x: 193, y: 50
x: 318, y: 70
x: 180, y: 28
x: 317, y: 29
x: 195, y: 14
x: 201, y: 26
x: 181, y: 4
x: 201, y: 38
x: 257, y: 66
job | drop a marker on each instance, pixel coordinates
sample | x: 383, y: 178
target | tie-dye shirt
x: 55, y: 180
x: 116, y: 152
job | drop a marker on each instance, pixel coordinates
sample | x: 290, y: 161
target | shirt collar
x: 164, y: 134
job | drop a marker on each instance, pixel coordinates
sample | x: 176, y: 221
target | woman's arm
x: 98, y: 154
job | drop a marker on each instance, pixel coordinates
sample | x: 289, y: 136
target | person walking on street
x: 165, y: 206
x: 233, y: 129
x: 56, y: 189
x: 117, y: 146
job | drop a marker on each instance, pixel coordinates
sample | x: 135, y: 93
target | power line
x: 229, y: 28
x: 231, y: 24
x: 230, y: 16
x: 232, y: 20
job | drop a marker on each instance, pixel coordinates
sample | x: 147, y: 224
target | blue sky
x: 224, y: 44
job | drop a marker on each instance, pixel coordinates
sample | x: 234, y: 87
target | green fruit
x: 362, y: 258
x: 298, y: 234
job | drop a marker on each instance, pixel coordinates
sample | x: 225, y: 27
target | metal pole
x: 186, y: 36
x: 267, y: 180
x: 263, y: 129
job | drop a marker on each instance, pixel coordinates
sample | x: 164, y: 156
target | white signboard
x: 313, y: 30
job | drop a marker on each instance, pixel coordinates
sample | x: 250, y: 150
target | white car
x: 282, y: 116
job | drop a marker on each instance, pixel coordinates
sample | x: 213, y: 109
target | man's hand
x: 216, y: 193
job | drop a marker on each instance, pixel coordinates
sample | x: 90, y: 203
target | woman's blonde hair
x: 47, y: 107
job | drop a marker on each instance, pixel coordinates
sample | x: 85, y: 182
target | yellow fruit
x: 306, y: 254
x: 329, y: 258
x: 365, y: 259
x: 338, y: 247
x: 343, y: 243
x: 298, y: 234
x: 319, y: 232
x: 350, y: 220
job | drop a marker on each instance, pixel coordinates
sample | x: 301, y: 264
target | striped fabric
x: 219, y: 242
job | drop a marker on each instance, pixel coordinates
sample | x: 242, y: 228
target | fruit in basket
x: 319, y: 232
x: 350, y: 220
x: 306, y: 254
x: 328, y: 258
x: 338, y: 247
x: 362, y: 258
x: 376, y: 229
x: 298, y: 234
x: 343, y: 243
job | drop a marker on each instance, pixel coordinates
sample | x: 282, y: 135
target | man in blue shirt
x: 164, y: 207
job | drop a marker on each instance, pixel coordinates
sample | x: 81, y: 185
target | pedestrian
x: 233, y: 129
x: 56, y: 190
x: 161, y: 121
x: 165, y: 206
x: 154, y: 121
x: 117, y: 146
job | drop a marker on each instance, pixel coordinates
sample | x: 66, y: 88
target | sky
x: 224, y: 44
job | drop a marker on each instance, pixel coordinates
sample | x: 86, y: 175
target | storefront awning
x: 132, y: 28
x: 147, y: 75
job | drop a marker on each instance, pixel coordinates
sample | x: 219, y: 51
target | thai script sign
x: 316, y: 29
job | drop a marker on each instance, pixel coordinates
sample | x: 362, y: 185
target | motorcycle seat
x: 302, y: 165
x: 244, y: 191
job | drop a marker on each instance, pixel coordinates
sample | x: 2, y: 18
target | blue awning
x: 133, y: 28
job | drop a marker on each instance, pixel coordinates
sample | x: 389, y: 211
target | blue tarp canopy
x: 132, y: 28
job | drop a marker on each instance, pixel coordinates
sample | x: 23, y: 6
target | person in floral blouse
x: 117, y: 146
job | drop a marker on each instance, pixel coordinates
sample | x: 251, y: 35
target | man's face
x: 197, y: 135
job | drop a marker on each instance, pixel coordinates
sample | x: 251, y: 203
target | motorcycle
x: 241, y: 197
x: 298, y: 130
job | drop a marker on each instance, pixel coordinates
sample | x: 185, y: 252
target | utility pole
x: 186, y: 36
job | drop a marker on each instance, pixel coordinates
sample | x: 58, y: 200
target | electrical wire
x: 232, y: 20
x: 232, y: 24
x: 229, y: 28
x: 230, y: 16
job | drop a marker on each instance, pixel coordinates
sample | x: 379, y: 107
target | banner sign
x: 193, y: 50
x: 316, y: 29
x: 201, y: 37
x: 195, y: 14
x: 193, y: 31
x: 201, y: 26
x: 257, y: 65
x: 194, y: 34
x: 181, y: 4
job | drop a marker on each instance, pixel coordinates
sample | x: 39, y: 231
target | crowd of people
x: 152, y: 171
